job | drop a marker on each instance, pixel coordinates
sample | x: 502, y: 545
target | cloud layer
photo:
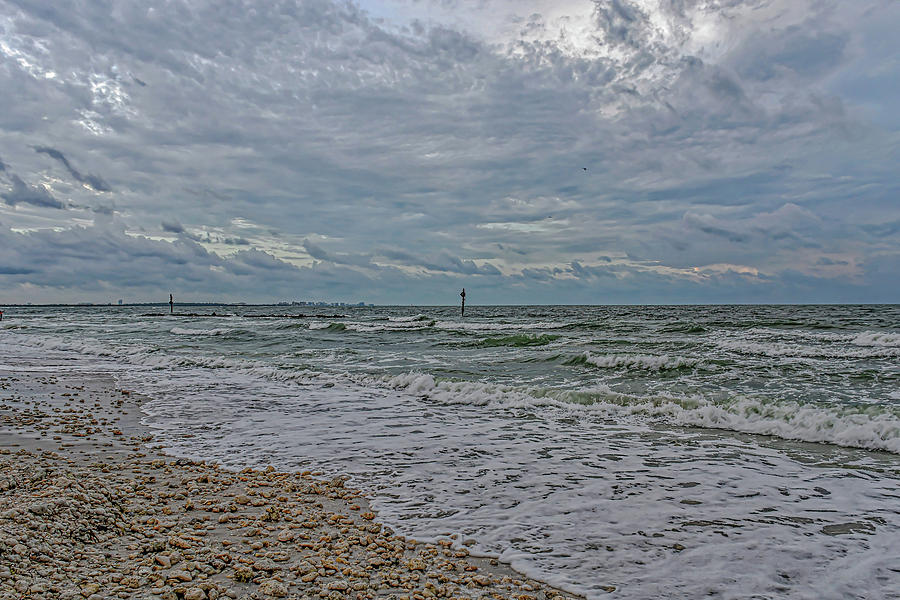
x: 394, y: 151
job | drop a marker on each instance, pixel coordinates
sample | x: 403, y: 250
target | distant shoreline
x: 367, y: 305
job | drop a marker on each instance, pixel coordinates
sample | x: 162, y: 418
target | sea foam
x: 636, y: 361
x: 875, y: 338
x: 869, y: 426
x: 873, y: 427
x: 186, y: 331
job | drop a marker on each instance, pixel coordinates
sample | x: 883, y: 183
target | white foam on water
x: 153, y: 359
x: 640, y: 361
x: 874, y: 427
x: 187, y: 331
x: 412, y: 325
x: 419, y: 317
x: 365, y: 327
x: 476, y: 326
x: 579, y: 502
x: 828, y: 338
x: 777, y: 349
x: 877, y: 338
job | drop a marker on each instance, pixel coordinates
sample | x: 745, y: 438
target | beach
x: 91, y: 508
x: 473, y: 299
x: 626, y: 452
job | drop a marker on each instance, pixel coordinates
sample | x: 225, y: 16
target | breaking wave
x: 516, y: 341
x: 411, y: 319
x: 870, y: 346
x: 186, y: 331
x: 473, y: 326
x: 361, y: 327
x: 645, y: 362
x: 868, y: 426
x: 153, y: 359
x: 877, y: 339
x: 684, y: 328
x: 871, y: 427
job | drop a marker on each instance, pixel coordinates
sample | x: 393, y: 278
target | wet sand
x: 90, y: 508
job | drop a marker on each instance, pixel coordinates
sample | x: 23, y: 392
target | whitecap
x: 877, y: 338
x: 645, y: 362
x: 186, y: 331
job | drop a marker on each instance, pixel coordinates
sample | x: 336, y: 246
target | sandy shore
x: 89, y: 508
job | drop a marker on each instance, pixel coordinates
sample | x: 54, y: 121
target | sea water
x: 678, y: 452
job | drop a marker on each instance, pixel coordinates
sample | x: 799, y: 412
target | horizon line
x: 325, y: 304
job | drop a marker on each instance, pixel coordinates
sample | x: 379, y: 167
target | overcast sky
x: 394, y: 151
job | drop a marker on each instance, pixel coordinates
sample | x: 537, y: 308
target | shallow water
x: 677, y: 451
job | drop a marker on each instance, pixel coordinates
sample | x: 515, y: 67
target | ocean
x: 657, y: 451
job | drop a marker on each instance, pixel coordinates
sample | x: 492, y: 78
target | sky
x: 395, y: 151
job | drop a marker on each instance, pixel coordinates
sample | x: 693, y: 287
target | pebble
x: 139, y: 527
x: 194, y: 593
x: 180, y: 575
x: 272, y: 588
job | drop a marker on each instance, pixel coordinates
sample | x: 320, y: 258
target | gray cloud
x: 93, y: 181
x: 712, y: 226
x: 236, y: 241
x: 798, y: 50
x: 172, y: 227
x: 445, y: 262
x: 580, y: 271
x: 340, y: 259
x: 22, y: 193
x: 78, y: 257
x: 43, y: 265
x: 721, y: 132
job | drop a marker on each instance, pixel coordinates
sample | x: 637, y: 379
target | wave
x: 473, y: 326
x: 684, y: 328
x: 774, y: 324
x: 877, y: 338
x: 860, y: 338
x: 186, y: 331
x: 154, y: 359
x: 646, y: 362
x: 295, y: 325
x: 522, y: 340
x: 879, y: 349
x: 317, y: 325
x: 396, y: 326
x: 411, y: 319
x: 870, y: 427
x: 413, y: 325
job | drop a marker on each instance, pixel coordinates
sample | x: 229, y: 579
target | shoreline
x: 89, y: 509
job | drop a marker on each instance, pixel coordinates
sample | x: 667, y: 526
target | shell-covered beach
x: 88, y: 510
